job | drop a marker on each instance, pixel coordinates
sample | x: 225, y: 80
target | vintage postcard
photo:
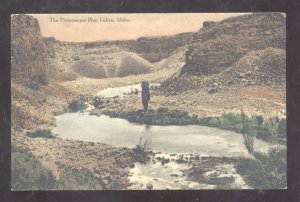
x: 148, y: 101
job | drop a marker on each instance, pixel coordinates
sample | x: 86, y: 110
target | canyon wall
x: 29, y: 55
x: 218, y: 45
x: 243, y: 50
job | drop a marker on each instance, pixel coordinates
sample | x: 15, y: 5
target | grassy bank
x: 27, y: 173
x: 265, y: 171
x: 161, y: 116
x: 271, y: 129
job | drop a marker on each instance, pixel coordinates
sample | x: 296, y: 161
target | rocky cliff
x: 220, y: 46
x: 216, y: 47
x: 28, y: 51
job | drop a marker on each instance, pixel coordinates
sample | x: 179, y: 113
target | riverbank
x: 233, y: 122
x: 34, y: 109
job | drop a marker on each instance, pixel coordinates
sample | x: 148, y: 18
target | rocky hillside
x: 216, y: 47
x: 155, y: 49
x: 73, y: 60
x: 29, y: 54
x: 152, y: 49
x: 266, y: 66
x: 257, y: 38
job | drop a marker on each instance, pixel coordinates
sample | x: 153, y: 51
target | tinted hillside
x: 218, y: 45
x: 232, y: 51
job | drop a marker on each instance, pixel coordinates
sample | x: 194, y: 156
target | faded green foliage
x: 28, y: 173
x: 265, y: 171
x: 77, y: 105
x: 45, y: 133
x: 141, y: 150
x: 249, y: 131
x: 162, y: 116
x: 230, y: 121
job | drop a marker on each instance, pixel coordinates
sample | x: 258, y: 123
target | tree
x: 145, y: 94
x: 249, y: 131
x: 272, y: 126
x: 260, y: 120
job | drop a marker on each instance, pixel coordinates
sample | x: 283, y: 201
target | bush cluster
x: 265, y: 171
x: 269, y: 129
x: 27, y: 173
x: 141, y: 150
x: 77, y: 105
x: 45, y: 133
x: 161, y: 116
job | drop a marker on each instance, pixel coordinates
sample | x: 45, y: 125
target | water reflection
x: 173, y: 139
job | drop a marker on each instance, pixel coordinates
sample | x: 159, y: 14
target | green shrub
x: 77, y: 105
x: 269, y: 130
x: 27, y: 173
x: 272, y: 129
x: 230, y: 121
x: 141, y: 150
x: 265, y: 171
x: 249, y: 131
x: 45, y: 133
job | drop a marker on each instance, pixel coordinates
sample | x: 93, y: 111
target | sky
x: 105, y: 27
